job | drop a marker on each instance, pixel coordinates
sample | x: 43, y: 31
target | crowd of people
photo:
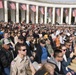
x: 37, y: 49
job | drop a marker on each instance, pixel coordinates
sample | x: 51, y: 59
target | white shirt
x: 59, y: 65
x: 61, y: 40
x: 64, y: 57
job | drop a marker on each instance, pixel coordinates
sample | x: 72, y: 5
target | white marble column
x: 36, y: 14
x: 53, y: 22
x: 70, y: 15
x: 32, y: 17
x: 1, y: 14
x: 45, y: 20
x: 41, y: 18
x: 61, y: 16
x: 27, y: 14
x: 17, y: 12
x: 6, y: 11
x: 13, y: 15
x: 22, y: 15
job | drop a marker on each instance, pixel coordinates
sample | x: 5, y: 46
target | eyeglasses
x: 23, y: 49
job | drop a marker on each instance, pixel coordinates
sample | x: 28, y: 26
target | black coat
x: 53, y: 61
x: 1, y: 68
x: 57, y: 70
x: 6, y: 57
x: 29, y: 50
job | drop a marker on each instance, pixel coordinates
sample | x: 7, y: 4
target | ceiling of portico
x: 57, y: 1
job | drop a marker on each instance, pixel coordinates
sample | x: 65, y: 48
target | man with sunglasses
x: 56, y: 60
x: 66, y: 61
x: 20, y: 41
x: 21, y: 65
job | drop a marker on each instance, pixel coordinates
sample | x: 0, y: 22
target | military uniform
x: 20, y: 66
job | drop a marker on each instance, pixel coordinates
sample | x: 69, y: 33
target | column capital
x: 46, y: 6
x: 71, y: 7
x: 27, y: 5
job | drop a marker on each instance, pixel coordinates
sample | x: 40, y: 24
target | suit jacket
x: 67, y: 53
x: 65, y: 64
x: 29, y: 49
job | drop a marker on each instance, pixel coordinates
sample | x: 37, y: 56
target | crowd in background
x: 51, y: 50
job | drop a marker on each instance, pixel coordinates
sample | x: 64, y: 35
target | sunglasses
x: 23, y: 49
x: 22, y: 40
x: 60, y: 56
x: 64, y: 49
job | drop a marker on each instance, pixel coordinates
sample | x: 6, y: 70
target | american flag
x: 1, y: 5
x: 42, y: 10
x: 58, y: 12
x: 23, y: 6
x: 50, y: 11
x: 12, y: 5
x: 66, y: 12
x: 74, y: 13
x: 33, y: 8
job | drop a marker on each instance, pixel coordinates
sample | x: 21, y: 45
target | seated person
x: 46, y: 69
x: 56, y: 60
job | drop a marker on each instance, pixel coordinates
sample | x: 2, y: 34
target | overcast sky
x: 60, y: 0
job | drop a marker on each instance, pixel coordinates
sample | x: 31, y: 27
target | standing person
x: 46, y: 69
x: 29, y: 47
x: 21, y: 65
x: 41, y: 52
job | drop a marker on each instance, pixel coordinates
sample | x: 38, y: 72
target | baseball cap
x: 6, y: 41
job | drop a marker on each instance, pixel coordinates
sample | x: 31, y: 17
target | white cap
x: 6, y: 41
